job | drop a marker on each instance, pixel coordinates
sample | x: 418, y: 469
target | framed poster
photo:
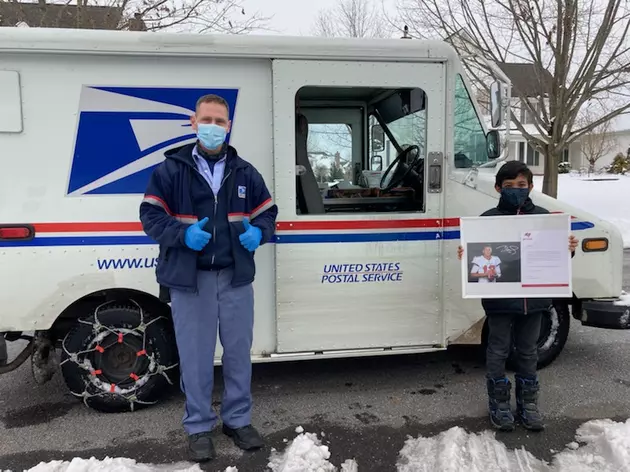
x: 521, y: 256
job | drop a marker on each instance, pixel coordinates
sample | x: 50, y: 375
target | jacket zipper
x: 518, y: 212
x: 214, y: 227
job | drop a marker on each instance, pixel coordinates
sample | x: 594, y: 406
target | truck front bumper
x: 606, y: 314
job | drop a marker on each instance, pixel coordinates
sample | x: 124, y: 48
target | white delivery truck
x: 364, y: 259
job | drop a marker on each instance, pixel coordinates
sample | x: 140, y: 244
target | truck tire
x: 120, y: 358
x: 554, y: 331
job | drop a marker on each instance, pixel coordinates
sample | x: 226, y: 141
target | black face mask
x: 515, y: 197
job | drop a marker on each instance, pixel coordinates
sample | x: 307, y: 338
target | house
x: 62, y: 15
x: 603, y: 146
x: 529, y: 84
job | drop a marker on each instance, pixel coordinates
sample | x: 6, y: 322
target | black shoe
x: 501, y: 416
x: 200, y: 447
x: 527, y: 403
x: 246, y: 438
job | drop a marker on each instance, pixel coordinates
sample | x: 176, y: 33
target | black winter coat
x: 518, y: 306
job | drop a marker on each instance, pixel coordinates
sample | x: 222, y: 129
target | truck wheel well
x: 83, y: 306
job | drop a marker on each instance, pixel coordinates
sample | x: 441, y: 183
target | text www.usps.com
x: 127, y: 263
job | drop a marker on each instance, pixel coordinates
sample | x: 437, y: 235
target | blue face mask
x: 211, y: 136
x: 515, y: 197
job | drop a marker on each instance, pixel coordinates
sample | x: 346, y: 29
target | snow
x: 624, y: 299
x: 456, y: 450
x: 110, y: 465
x: 599, y: 446
x: 306, y: 453
x: 606, y: 449
x: 606, y: 199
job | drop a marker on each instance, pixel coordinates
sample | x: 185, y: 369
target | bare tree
x: 585, y: 46
x: 598, y: 142
x: 322, y: 173
x: 217, y: 16
x: 351, y: 18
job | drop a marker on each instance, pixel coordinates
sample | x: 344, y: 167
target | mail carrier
x: 372, y: 150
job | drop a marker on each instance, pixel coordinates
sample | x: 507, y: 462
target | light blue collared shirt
x: 212, y: 176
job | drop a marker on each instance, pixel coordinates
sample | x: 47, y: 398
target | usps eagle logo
x: 123, y: 132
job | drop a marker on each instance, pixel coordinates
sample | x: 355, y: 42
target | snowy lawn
x: 607, y: 199
x: 601, y: 446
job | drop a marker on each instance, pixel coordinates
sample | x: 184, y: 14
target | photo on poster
x: 520, y: 256
x: 494, y: 262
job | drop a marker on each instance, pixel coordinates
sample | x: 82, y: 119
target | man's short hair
x: 212, y: 98
x: 511, y: 170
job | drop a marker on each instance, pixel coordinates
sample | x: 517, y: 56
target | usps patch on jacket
x: 241, y: 191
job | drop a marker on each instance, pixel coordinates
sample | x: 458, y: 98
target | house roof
x: 528, y: 80
x: 51, y: 15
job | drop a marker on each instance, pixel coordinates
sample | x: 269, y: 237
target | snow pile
x: 108, y: 465
x: 456, y: 450
x: 306, y: 453
x: 606, y: 199
x: 607, y: 449
x: 624, y: 299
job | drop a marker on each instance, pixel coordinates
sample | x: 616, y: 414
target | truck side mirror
x: 493, y: 144
x: 376, y: 163
x: 497, y: 92
x: 378, y: 138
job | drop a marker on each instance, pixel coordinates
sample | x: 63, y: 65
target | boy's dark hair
x: 511, y: 170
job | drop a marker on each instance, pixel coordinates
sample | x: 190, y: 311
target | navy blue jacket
x: 178, y: 196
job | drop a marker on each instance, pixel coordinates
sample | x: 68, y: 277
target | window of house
x: 527, y: 117
x: 565, y: 155
x: 470, y: 138
x: 527, y: 154
x: 360, y: 150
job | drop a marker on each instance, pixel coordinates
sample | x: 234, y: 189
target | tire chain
x: 98, y: 329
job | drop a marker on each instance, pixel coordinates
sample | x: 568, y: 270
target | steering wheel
x: 402, y: 168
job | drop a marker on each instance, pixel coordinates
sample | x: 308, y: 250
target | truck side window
x: 469, y: 139
x: 360, y: 150
x: 329, y: 148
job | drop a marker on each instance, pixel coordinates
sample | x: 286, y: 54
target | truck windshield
x: 409, y: 130
x: 469, y: 139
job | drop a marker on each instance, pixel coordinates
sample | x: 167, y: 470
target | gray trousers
x: 197, y: 317
x: 526, y: 334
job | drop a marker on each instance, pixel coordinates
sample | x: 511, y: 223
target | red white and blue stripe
x: 287, y: 232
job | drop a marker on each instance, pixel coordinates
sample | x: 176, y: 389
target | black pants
x: 526, y: 334
x: 3, y: 350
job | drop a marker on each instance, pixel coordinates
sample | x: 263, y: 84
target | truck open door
x: 358, y: 250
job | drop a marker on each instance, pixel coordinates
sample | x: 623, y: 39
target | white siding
x: 621, y: 144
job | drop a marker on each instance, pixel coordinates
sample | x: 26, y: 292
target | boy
x: 514, y: 181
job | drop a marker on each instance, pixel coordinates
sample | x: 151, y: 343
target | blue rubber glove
x: 196, y: 238
x: 252, y: 236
